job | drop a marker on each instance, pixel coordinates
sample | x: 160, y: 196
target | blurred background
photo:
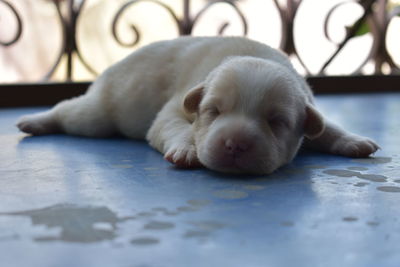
x: 67, y: 40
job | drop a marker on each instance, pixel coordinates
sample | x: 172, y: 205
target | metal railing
x: 375, y: 18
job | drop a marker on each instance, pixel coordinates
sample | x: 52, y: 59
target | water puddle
x: 78, y: 224
x: 389, y: 189
x: 347, y: 173
x: 145, y: 241
x: 230, y: 194
x: 350, y: 219
x: 157, y: 225
x: 377, y: 160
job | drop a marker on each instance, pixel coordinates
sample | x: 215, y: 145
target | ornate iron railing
x: 18, y: 31
x: 374, y: 20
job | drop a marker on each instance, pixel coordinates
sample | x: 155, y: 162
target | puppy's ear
x: 314, y: 124
x: 193, y: 98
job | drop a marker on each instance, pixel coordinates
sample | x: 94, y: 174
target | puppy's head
x: 251, y: 116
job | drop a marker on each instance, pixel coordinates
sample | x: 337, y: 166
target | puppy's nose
x: 236, y: 147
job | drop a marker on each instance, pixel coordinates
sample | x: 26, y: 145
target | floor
x: 70, y: 201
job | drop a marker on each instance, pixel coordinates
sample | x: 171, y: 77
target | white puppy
x: 228, y: 103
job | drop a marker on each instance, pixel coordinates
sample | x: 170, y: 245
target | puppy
x: 227, y: 103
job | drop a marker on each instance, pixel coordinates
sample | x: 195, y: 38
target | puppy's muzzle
x: 235, y: 145
x: 236, y: 148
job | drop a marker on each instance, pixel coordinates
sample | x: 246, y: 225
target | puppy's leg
x: 338, y: 141
x: 172, y: 134
x: 83, y: 115
x: 39, y: 124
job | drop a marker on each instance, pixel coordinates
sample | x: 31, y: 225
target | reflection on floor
x: 70, y: 201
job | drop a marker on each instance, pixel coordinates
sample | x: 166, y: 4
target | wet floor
x: 71, y: 201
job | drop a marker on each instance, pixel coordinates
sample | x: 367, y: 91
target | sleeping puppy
x: 227, y: 103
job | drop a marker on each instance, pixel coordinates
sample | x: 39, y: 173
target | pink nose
x: 236, y: 147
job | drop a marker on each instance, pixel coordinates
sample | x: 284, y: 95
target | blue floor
x: 71, y: 201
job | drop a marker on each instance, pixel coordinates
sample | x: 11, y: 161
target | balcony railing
x: 375, y: 19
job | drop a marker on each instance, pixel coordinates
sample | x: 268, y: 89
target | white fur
x: 228, y: 103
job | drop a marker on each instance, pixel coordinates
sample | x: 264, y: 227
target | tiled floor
x: 70, y: 201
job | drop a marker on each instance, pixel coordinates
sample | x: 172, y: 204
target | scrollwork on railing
x: 379, y: 23
x: 69, y: 43
x: 184, y: 25
x: 374, y: 20
x: 18, y: 32
x: 351, y: 32
x: 224, y: 25
x: 133, y: 27
x: 287, y: 14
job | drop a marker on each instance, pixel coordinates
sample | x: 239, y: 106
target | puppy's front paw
x: 355, y: 146
x: 183, y: 156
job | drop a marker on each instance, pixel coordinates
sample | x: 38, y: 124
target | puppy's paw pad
x: 356, y: 146
x: 183, y: 156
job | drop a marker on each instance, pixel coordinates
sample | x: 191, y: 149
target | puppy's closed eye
x: 212, y: 112
x: 277, y: 123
